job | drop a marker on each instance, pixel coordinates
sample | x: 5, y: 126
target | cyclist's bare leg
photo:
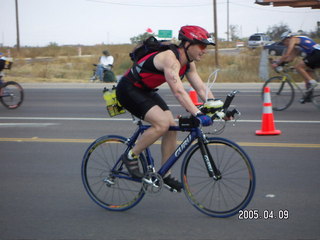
x: 306, y: 74
x: 169, y: 140
x: 302, y: 69
x: 160, y: 122
x: 300, y: 66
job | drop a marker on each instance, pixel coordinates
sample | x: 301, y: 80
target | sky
x: 91, y: 22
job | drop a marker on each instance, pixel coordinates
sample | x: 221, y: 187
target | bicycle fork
x: 211, y: 167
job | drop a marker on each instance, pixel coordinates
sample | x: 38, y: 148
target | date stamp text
x: 255, y: 214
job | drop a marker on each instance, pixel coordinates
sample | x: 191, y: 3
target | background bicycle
x: 108, y: 75
x: 11, y: 93
x: 282, y: 89
x: 217, y: 175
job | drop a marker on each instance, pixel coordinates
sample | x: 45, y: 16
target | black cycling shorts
x: 136, y: 100
x: 313, y: 60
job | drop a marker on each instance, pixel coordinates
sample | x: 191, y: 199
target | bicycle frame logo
x: 183, y: 146
x: 207, y: 161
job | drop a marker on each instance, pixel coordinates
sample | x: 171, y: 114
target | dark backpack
x: 148, y: 46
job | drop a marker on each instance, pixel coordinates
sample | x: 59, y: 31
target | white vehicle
x: 258, y: 40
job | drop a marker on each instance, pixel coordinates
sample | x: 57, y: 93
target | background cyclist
x: 2, y: 66
x: 166, y: 66
x: 305, y: 66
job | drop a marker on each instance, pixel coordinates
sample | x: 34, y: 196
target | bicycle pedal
x: 170, y: 188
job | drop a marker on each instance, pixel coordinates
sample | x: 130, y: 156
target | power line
x: 198, y: 4
x: 166, y: 5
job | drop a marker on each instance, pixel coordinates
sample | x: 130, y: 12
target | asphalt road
x: 42, y: 197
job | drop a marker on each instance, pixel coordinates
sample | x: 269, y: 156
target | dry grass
x: 61, y: 64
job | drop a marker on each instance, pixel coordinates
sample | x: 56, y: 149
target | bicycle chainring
x: 152, y: 182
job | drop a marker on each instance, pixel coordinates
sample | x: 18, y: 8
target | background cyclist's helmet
x: 286, y: 35
x: 195, y: 35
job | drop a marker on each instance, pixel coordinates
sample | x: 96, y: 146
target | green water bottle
x: 108, y: 98
x: 212, y: 106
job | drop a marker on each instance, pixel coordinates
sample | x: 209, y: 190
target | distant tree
x: 140, y: 38
x: 234, y: 32
x: 276, y: 30
x: 316, y: 33
x: 301, y: 32
x: 53, y: 44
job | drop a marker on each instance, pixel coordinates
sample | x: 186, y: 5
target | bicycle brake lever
x: 231, y: 114
x: 236, y: 118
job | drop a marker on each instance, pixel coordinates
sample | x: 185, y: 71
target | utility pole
x: 228, y: 20
x: 17, y: 24
x: 215, y: 31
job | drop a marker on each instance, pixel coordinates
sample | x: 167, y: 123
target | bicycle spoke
x: 105, y: 180
x: 11, y: 95
x: 219, y: 197
x: 281, y: 91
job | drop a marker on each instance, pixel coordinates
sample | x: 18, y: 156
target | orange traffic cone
x: 267, y: 126
x: 194, y: 97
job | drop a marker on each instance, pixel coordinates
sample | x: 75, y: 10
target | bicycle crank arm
x: 170, y: 188
x: 150, y: 182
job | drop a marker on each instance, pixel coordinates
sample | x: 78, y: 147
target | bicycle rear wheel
x: 105, y: 177
x: 11, y: 95
x: 226, y: 196
x: 281, y: 91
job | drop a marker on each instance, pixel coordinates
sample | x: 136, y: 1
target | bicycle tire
x: 12, y: 95
x: 106, y: 179
x: 224, y: 197
x: 281, y: 92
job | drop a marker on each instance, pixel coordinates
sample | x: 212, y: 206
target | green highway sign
x: 165, y: 33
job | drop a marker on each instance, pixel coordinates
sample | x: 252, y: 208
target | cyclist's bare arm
x: 287, y: 57
x: 168, y: 63
x: 196, y: 82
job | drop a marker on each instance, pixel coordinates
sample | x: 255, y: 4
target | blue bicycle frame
x: 195, y: 133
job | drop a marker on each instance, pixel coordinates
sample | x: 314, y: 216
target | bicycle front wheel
x: 11, y: 95
x: 281, y: 91
x: 222, y: 197
x: 105, y: 177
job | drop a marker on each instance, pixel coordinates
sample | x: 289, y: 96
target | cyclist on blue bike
x: 310, y: 62
x: 140, y: 98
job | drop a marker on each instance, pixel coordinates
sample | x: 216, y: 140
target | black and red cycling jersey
x: 148, y: 76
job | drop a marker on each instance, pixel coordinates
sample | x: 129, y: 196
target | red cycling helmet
x: 195, y: 35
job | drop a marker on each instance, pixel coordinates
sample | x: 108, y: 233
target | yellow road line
x: 73, y: 140
x: 53, y: 140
